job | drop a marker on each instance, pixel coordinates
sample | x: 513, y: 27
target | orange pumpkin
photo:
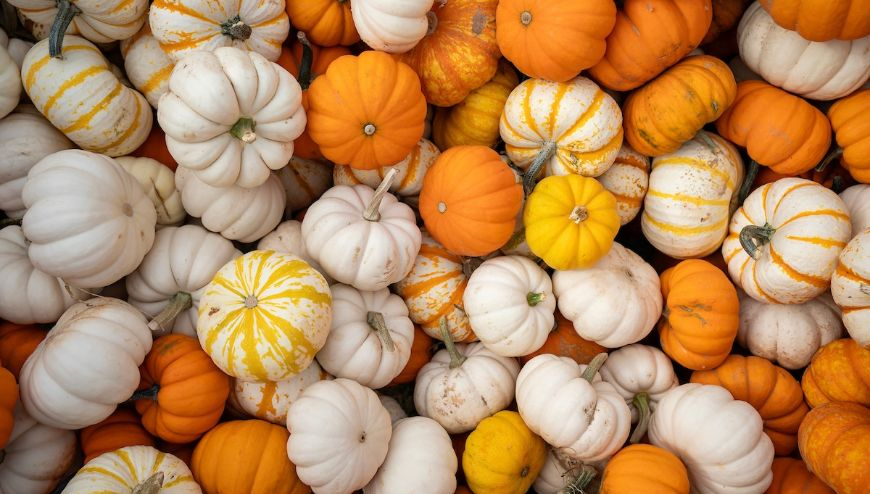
x: 122, y: 428
x: 553, y: 39
x: 564, y: 341
x: 726, y: 13
x: 366, y: 111
x: 848, y: 117
x: 459, y: 52
x: 770, y: 389
x: 839, y: 371
x: 470, y: 200
x: 778, y: 129
x: 155, y: 148
x: 421, y: 352
x: 650, y: 36
x: 834, y: 441
x: 821, y: 20
x: 17, y: 342
x: 661, y: 116
x: 8, y: 398
x: 644, y: 469
x: 325, y: 22
x: 701, y: 314
x: 184, y: 391
x: 790, y: 476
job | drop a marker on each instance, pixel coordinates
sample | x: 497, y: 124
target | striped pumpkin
x: 691, y: 196
x: 184, y: 26
x: 81, y: 96
x: 97, y: 21
x: 783, y: 243
x: 434, y: 289
x: 146, y: 64
x: 408, y: 181
x: 132, y: 469
x: 628, y: 180
x: 850, y: 287
x: 264, y: 316
x: 269, y: 400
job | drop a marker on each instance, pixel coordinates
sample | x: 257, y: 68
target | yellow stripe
x: 824, y: 242
x: 687, y: 230
x: 84, y: 121
x: 103, y: 471
x: 699, y: 201
x: 69, y: 84
x: 157, y: 78
x: 527, y: 109
x: 818, y: 212
x: 694, y: 163
x: 39, y: 64
x: 794, y: 273
x: 176, y: 481
x: 590, y: 112
x: 845, y: 272
x: 127, y: 133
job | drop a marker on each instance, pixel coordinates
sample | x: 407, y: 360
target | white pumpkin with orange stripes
x: 691, y: 195
x: 850, y: 287
x: 270, y: 400
x: 628, y: 181
x: 231, y: 116
x: 783, y: 244
x: 182, y: 27
x: 408, y: 181
x: 857, y: 199
x: 83, y: 98
x: 147, y: 65
x: 134, y: 469
x: 304, y: 181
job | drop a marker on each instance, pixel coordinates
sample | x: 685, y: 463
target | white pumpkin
x: 628, y: 180
x: 158, y: 183
x: 420, y: 460
x: 16, y: 47
x: 86, y: 365
x: 304, y: 181
x: 96, y: 21
x: 339, y: 436
x: 269, y: 400
x: 816, y: 70
x: 395, y: 410
x: 560, y: 472
x: 856, y: 198
x: 231, y: 116
x: 615, y: 302
x: 510, y: 304
x: 88, y: 221
x: 287, y: 237
x: 718, y: 438
x: 411, y: 171
x: 134, y: 469
x: 36, y: 456
x: 390, y: 26
x: 850, y: 287
x: 370, y: 338
x: 362, y: 237
x: 169, y: 282
x: 234, y: 212
x: 147, y: 65
x: 788, y: 334
x: 10, y: 83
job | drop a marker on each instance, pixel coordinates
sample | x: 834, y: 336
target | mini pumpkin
x: 10, y: 83
x: 834, y: 440
x: 8, y: 399
x: 839, y: 371
x: 158, y: 183
x: 122, y: 428
x: 628, y: 180
x: 146, y: 64
x: 385, y: 28
x: 857, y: 199
x: 37, y: 456
x: 287, y: 238
x: 850, y: 286
x: 17, y: 342
x: 134, y: 469
x: 326, y: 22
x: 791, y: 475
x: 269, y: 400
x: 853, y: 138
x: 564, y: 341
x: 645, y: 469
x: 409, y: 180
x: 422, y: 349
x: 304, y: 181
x: 820, y: 20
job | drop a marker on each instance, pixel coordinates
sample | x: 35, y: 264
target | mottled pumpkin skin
x: 790, y: 476
x: 839, y: 371
x: 644, y: 469
x: 8, y: 398
x: 421, y: 352
x: 564, y: 341
x: 325, y: 22
x: 17, y: 342
x: 122, y: 428
x: 848, y: 117
x: 821, y: 20
x: 834, y: 440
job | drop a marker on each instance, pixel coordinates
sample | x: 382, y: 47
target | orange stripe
x: 179, y: 7
x: 789, y: 191
x: 758, y: 285
x: 527, y: 109
x: 696, y: 164
x: 847, y: 273
x: 818, y: 212
x: 795, y: 274
x: 824, y: 242
x: 634, y: 163
x: 554, y: 108
x: 590, y: 112
x: 157, y: 78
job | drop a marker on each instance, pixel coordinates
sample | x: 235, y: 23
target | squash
x: 422, y: 349
x: 264, y: 316
x: 326, y: 22
x: 852, y: 135
x: 649, y: 37
x: 339, y: 435
x: 726, y: 15
x: 134, y: 469
x: 857, y: 200
x: 10, y: 83
x: 626, y: 303
x: 564, y: 341
x: 304, y: 181
x: 554, y: 40
x: 628, y: 180
x: 287, y: 238
x: 834, y: 440
x: 791, y: 475
x: 146, y: 64
x: 821, y: 20
x: 850, y: 286
x: 120, y: 429
x: 701, y: 314
x: 561, y: 473
x: 17, y: 342
x: 691, y: 195
x: 8, y: 399
x: 645, y: 469
x: 389, y: 27
x: 154, y: 147
x: 16, y: 47
x: 158, y: 183
x: 88, y: 221
x: 269, y: 400
x: 788, y: 334
x: 783, y: 244
x: 198, y: 25
x: 409, y: 179
x: 83, y: 98
x: 839, y: 371
x: 37, y: 456
x: 688, y: 96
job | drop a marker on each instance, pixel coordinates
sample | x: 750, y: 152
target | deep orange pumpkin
x: 17, y: 342
x: 155, y: 148
x: 790, y: 476
x: 834, y: 440
x: 8, y: 398
x: 325, y: 22
x: 421, y: 352
x: 564, y: 341
x: 644, y: 469
x: 122, y: 428
x: 839, y: 371
x: 848, y: 117
x: 821, y: 20
x: 726, y: 14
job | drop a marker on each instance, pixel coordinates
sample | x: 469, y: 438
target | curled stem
x: 752, y: 237
x: 456, y: 358
x: 751, y: 173
x: 372, y: 212
x: 641, y: 403
x: 594, y: 366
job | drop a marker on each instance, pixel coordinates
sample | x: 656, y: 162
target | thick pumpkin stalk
x: 456, y: 358
x: 66, y: 11
x: 531, y: 175
x: 306, y: 61
x: 834, y: 154
x: 151, y: 485
x: 377, y: 323
x: 751, y: 173
x: 594, y: 366
x: 236, y: 29
x: 162, y: 322
x: 145, y: 394
x: 534, y: 298
x: 641, y: 403
x: 243, y: 130
x: 372, y: 212
x: 752, y: 237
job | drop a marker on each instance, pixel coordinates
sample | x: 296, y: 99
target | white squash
x: 560, y: 472
x: 391, y: 26
x: 420, y: 460
x: 339, y: 436
x: 718, y: 438
x: 628, y: 180
x: 36, y: 456
x: 370, y: 338
x: 850, y: 287
x: 147, y: 65
x: 134, y: 469
x: 287, y: 237
x: 304, y: 182
x: 395, y: 410
x: 96, y: 21
x: 615, y: 302
x: 16, y: 47
x: 269, y: 400
x: 88, y: 221
x: 856, y: 198
x: 10, y: 83
x: 510, y: 304
x: 158, y: 183
x: 409, y: 180
x: 86, y: 365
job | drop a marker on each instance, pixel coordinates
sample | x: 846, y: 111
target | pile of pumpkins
x: 435, y: 246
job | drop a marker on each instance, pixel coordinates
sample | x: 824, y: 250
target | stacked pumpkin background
x: 523, y: 222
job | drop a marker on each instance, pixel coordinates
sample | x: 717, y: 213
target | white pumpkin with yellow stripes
x: 783, y: 244
x: 850, y: 287
x: 691, y: 195
x: 140, y: 469
x: 408, y: 181
x: 264, y: 316
x: 147, y: 65
x: 83, y: 98
x: 628, y: 181
x: 270, y: 400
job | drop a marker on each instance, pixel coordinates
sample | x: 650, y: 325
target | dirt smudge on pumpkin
x: 479, y: 22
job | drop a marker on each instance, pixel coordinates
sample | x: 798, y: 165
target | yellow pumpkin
x: 264, y: 316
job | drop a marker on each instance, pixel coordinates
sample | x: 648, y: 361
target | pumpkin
x: 409, y: 179
x: 561, y: 473
x: 264, y: 316
x: 304, y: 181
x: 183, y: 28
x: 726, y: 14
x: 397, y: 413
x: 778, y: 130
x: 564, y: 341
x: 339, y: 435
x: 687, y: 96
x: 701, y: 314
x: 850, y: 286
x: 833, y: 177
x: 326, y: 22
x: 17, y: 342
x: 16, y: 47
x: 645, y: 469
x: 421, y: 353
x: 857, y: 200
x: 154, y: 147
x: 147, y: 65
x: 470, y: 199
x: 88, y: 221
x: 791, y: 475
x: 36, y: 456
x: 564, y: 127
x: 820, y: 20
x: 649, y: 37
x: 839, y: 371
x: 366, y: 135
x: 83, y: 98
x: 626, y: 303
x: 852, y: 135
x: 217, y: 467
x: 788, y: 334
x: 8, y: 399
x: 10, y: 83
x: 570, y: 221
x: 269, y: 400
x: 370, y: 338
x: 120, y: 429
x: 158, y: 183
x: 503, y: 455
x: 783, y: 244
x: 554, y: 40
x: 834, y: 440
x: 385, y: 28
x: 287, y: 238
x: 691, y: 195
x: 628, y: 180
x: 134, y: 469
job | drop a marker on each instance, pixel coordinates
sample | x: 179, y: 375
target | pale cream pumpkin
x: 856, y: 197
x: 304, y: 181
x: 134, y: 469
x: 16, y: 47
x: 628, y: 180
x: 36, y: 457
x: 393, y: 27
x: 408, y: 181
x: 850, y: 287
x: 158, y: 183
x: 147, y: 65
x: 10, y: 83
x: 287, y: 238
x: 270, y: 400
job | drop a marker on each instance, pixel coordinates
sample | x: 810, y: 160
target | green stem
x: 708, y: 141
x: 594, y: 365
x: 66, y: 11
x: 746, y: 187
x: 236, y: 29
x: 581, y: 482
x: 456, y: 358
x: 151, y: 485
x: 641, y: 403
x: 752, y: 237
x: 376, y: 321
x: 534, y: 298
x: 145, y: 394
x: 306, y: 61
x: 531, y: 175
x: 162, y: 322
x: 243, y: 129
x: 372, y: 212
x: 831, y: 156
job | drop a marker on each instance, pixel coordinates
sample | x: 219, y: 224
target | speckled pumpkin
x: 839, y: 371
x: 834, y: 440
